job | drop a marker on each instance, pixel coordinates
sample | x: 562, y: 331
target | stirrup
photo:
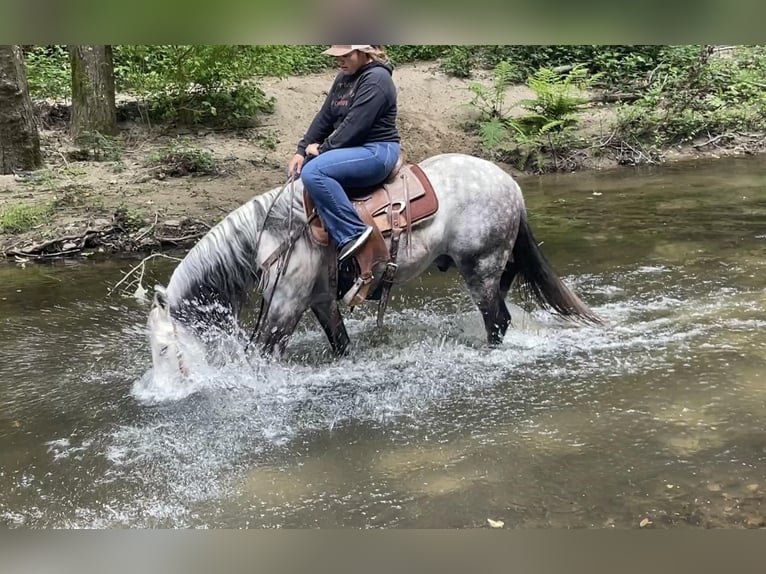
x: 352, y: 296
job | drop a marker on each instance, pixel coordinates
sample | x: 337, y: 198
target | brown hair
x: 378, y: 53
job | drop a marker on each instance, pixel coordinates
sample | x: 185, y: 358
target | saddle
x: 404, y: 200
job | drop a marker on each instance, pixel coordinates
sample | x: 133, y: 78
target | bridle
x: 285, y: 248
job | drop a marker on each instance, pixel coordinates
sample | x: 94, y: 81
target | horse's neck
x: 217, y: 277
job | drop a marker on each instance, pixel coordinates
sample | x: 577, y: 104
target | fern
x: 557, y: 96
x: 490, y: 101
x: 557, y: 100
x: 493, y: 133
x: 553, y: 125
x: 553, y: 112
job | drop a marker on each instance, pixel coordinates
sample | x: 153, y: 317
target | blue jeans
x: 325, y: 176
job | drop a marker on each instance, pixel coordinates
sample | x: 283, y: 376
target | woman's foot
x: 351, y: 247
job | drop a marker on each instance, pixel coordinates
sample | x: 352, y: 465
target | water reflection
x: 656, y: 417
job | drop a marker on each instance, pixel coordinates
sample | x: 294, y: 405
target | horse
x: 480, y: 228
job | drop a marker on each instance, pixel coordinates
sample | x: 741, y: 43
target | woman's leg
x: 325, y: 176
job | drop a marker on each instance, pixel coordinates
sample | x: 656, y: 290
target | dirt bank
x: 130, y: 204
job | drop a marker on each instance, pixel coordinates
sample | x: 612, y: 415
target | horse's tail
x: 538, y: 279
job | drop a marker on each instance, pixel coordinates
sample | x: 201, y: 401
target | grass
x: 20, y: 218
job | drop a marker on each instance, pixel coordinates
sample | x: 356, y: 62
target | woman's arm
x: 320, y: 127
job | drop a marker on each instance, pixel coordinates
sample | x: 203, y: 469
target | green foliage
x: 168, y: 69
x: 20, y: 218
x: 493, y: 133
x: 154, y: 68
x: 405, y: 53
x: 48, y: 73
x: 490, y: 101
x: 625, y: 67
x: 196, y: 84
x: 557, y: 102
x: 131, y: 219
x: 617, y: 66
x: 181, y: 158
x: 217, y: 84
x: 289, y: 60
x: 184, y: 84
x: 685, y: 94
x: 548, y: 128
x: 458, y: 62
x: 695, y: 94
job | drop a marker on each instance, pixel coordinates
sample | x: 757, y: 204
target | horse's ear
x: 160, y: 297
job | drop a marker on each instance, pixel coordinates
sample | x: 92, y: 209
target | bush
x: 184, y: 84
x: 406, y: 53
x: 194, y: 84
x: 458, y: 62
x: 180, y: 159
x: 617, y: 66
x: 48, y: 73
x: 695, y: 94
x: 548, y: 129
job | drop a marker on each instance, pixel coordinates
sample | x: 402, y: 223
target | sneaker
x: 353, y: 246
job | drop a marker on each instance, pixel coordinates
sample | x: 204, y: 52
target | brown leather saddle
x: 405, y: 199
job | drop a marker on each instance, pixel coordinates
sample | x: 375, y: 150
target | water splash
x: 191, y: 442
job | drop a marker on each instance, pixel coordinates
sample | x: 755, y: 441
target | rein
x: 284, y: 248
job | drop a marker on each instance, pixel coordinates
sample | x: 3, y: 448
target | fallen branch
x: 38, y: 248
x: 626, y: 153
x: 713, y: 140
x: 202, y: 223
x: 46, y: 255
x: 66, y: 163
x: 564, y: 68
x: 607, y: 141
x: 142, y: 267
x: 614, y: 97
x: 148, y: 229
x: 182, y: 239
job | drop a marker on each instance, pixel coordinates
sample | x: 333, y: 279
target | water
x: 655, y: 420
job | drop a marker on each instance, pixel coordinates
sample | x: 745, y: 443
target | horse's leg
x: 506, y: 279
x: 328, y: 314
x: 275, y: 333
x: 483, y: 277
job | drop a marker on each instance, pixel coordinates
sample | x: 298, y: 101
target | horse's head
x: 165, y: 335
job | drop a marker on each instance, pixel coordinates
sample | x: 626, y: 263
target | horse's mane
x: 221, y: 268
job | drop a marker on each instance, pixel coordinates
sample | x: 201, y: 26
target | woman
x: 353, y: 141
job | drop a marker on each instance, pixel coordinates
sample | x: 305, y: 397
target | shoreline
x: 87, y: 232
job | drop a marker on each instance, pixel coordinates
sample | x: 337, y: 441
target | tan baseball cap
x: 343, y: 49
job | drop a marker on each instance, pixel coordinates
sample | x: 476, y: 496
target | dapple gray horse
x: 480, y: 228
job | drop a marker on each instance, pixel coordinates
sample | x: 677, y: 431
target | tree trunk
x: 19, y: 138
x: 93, y: 108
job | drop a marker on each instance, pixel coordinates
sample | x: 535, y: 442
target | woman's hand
x: 295, y: 165
x: 312, y: 149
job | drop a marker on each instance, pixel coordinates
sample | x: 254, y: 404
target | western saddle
x: 405, y: 199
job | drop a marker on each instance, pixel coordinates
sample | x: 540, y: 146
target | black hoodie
x: 359, y: 109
